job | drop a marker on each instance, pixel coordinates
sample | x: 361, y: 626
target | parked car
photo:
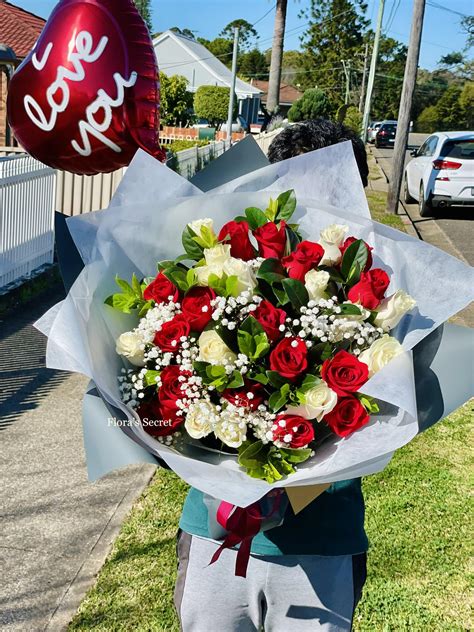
x: 385, y: 136
x: 372, y: 131
x: 441, y: 173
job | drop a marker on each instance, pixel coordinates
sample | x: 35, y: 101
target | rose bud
x: 370, y: 290
x: 293, y: 431
x: 347, y: 416
x: 344, y: 373
x: 305, y: 257
x: 160, y: 289
x: 289, y: 358
x: 271, y: 240
x: 196, y: 307
x: 240, y: 245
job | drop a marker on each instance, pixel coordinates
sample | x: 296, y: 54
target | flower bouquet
x: 257, y: 342
x: 275, y: 351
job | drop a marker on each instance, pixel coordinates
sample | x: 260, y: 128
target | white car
x: 372, y: 131
x: 441, y: 173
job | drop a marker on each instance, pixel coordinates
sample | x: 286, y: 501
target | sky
x: 441, y: 31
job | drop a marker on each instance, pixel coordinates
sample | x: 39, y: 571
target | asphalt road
x: 456, y: 225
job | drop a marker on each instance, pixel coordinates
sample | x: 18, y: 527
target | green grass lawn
x: 418, y: 522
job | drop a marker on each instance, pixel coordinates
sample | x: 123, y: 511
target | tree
x: 185, y: 32
x: 466, y: 102
x: 220, y: 48
x: 212, y: 103
x: 176, y: 101
x: 428, y: 121
x: 389, y: 78
x: 253, y: 64
x: 467, y: 25
x: 313, y: 104
x: 246, y: 33
x: 144, y: 9
x: 448, y: 109
x: 293, y: 61
x: 335, y: 32
x: 273, y: 97
x: 353, y: 119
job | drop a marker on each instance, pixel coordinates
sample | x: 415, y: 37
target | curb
x: 88, y: 571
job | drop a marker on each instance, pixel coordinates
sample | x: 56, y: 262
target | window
x: 462, y: 148
x: 428, y: 147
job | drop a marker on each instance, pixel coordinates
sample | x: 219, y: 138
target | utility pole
x: 364, y: 78
x: 403, y: 127
x: 230, y: 114
x: 347, y: 72
x: 273, y: 97
x: 373, y: 66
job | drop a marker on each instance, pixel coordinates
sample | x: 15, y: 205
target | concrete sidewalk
x: 56, y: 527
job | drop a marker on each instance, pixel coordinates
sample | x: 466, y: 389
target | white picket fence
x: 27, y: 198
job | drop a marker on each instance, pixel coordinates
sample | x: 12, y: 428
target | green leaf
x: 296, y: 455
x: 136, y: 286
x: 296, y: 292
x: 191, y: 278
x: 292, y: 240
x: 252, y: 339
x: 255, y: 217
x: 150, y: 377
x: 309, y: 382
x: 122, y: 302
x: 286, y: 205
x: 232, y: 286
x: 369, y: 403
x: 281, y: 295
x: 271, y: 271
x: 272, y: 210
x: 124, y: 286
x: 349, y: 309
x: 279, y: 398
x: 194, y: 250
x: 208, y: 238
x: 146, y: 305
x: 162, y: 265
x: 250, y: 453
x: 276, y: 379
x: 218, y: 284
x: 257, y: 376
x: 236, y: 380
x: 356, y: 253
x: 177, y: 275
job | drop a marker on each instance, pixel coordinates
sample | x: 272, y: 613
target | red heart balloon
x: 87, y: 96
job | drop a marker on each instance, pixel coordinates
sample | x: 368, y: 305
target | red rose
x: 160, y: 289
x: 271, y: 240
x: 240, y: 245
x: 171, y: 387
x: 157, y: 420
x: 196, y: 307
x: 297, y: 429
x: 168, y: 338
x: 351, y: 240
x: 270, y: 317
x: 306, y: 256
x: 288, y: 358
x: 240, y: 396
x: 347, y: 416
x: 344, y: 373
x: 370, y: 290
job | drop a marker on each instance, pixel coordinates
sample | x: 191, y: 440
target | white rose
x: 316, y: 282
x: 243, y: 272
x: 196, y: 226
x: 391, y: 309
x: 213, y: 349
x: 319, y: 401
x: 332, y: 254
x: 203, y: 272
x: 380, y: 353
x: 230, y: 428
x: 334, y: 234
x: 131, y: 345
x: 200, y: 419
x: 217, y: 255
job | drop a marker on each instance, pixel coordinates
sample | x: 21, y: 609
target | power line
x: 264, y: 16
x: 435, y: 5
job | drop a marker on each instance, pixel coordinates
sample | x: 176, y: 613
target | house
x: 19, y: 30
x: 288, y: 95
x: 181, y: 55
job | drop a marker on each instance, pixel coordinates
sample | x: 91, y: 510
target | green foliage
x: 428, y: 121
x: 253, y: 64
x: 144, y: 9
x: 293, y: 62
x: 182, y: 144
x: 466, y: 102
x: 353, y: 119
x: 252, y: 339
x: 313, y: 104
x: 215, y: 375
x: 246, y: 33
x: 212, y: 103
x: 220, y: 48
x: 130, y: 298
x: 448, y: 109
x: 176, y: 100
x: 389, y: 79
x: 268, y: 462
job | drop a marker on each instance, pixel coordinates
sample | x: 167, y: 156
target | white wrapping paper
x: 144, y: 224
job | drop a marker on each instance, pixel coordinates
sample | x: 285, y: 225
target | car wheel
x: 407, y: 198
x: 425, y: 208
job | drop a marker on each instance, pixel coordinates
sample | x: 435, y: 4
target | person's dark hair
x: 315, y: 134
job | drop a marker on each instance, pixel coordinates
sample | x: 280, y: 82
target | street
x: 453, y: 229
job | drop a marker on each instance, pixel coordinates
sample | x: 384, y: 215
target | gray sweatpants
x: 288, y: 593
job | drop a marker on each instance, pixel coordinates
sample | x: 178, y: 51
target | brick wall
x: 3, y: 106
x: 190, y: 133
